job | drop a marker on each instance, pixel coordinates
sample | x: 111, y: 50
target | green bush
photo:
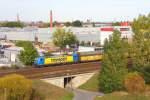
x: 15, y: 87
x: 28, y: 55
x: 134, y: 83
x: 14, y: 66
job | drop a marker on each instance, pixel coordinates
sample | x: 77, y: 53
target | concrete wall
x: 74, y: 83
x: 79, y: 80
x: 58, y: 81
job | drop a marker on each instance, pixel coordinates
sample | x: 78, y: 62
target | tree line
x: 12, y: 24
x: 76, y: 23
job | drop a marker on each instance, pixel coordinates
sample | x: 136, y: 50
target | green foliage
x: 14, y: 66
x: 12, y: 24
x: 116, y: 24
x: 141, y: 24
x: 67, y: 96
x: 77, y: 23
x: 15, y: 87
x: 134, y: 83
x: 82, y: 43
x: 24, y: 44
x: 140, y: 51
x: 28, y: 55
x: 67, y: 24
x: 61, y: 38
x: 55, y: 23
x: 114, y: 64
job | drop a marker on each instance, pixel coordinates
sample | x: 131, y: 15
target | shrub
x: 134, y: 83
x: 15, y: 87
x: 28, y: 55
x: 14, y: 66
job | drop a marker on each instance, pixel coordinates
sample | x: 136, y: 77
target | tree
x: 15, y: 87
x: 24, y: 44
x: 141, y: 24
x: 141, y: 46
x: 77, y: 23
x: 28, y: 55
x: 116, y: 24
x: 61, y: 38
x: 67, y: 24
x: 12, y: 24
x: 114, y: 64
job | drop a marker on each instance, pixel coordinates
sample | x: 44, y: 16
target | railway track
x: 55, y: 71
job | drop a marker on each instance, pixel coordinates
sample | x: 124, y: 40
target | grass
x: 46, y: 91
x: 123, y: 96
x: 68, y: 96
x: 92, y: 84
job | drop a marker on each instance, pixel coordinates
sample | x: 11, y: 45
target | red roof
x: 124, y: 24
x: 107, y: 29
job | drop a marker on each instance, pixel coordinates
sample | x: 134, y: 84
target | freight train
x: 67, y: 59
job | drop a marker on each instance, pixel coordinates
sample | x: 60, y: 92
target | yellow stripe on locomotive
x: 91, y: 58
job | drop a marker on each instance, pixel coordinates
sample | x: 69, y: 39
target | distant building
x: 12, y: 52
x: 3, y: 36
x: 105, y: 32
x: 102, y: 24
x: 87, y: 24
x: 89, y: 49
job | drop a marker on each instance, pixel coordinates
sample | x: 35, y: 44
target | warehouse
x: 105, y: 32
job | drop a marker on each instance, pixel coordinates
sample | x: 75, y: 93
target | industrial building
x: 105, y: 32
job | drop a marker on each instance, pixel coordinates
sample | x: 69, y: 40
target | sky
x: 70, y: 10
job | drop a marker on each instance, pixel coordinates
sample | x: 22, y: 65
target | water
x: 45, y: 35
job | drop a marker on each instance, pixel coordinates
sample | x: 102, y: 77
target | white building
x: 12, y: 52
x: 89, y: 49
x: 105, y: 32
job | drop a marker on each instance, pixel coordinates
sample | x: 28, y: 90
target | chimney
x: 51, y: 20
x: 18, y: 19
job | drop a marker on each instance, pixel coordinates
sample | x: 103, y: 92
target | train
x: 67, y: 59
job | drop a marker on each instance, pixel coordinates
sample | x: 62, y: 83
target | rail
x: 55, y: 71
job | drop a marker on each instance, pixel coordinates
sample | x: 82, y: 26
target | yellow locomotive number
x: 59, y: 60
x: 55, y: 60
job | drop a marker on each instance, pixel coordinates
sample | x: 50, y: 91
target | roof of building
x: 14, y: 48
